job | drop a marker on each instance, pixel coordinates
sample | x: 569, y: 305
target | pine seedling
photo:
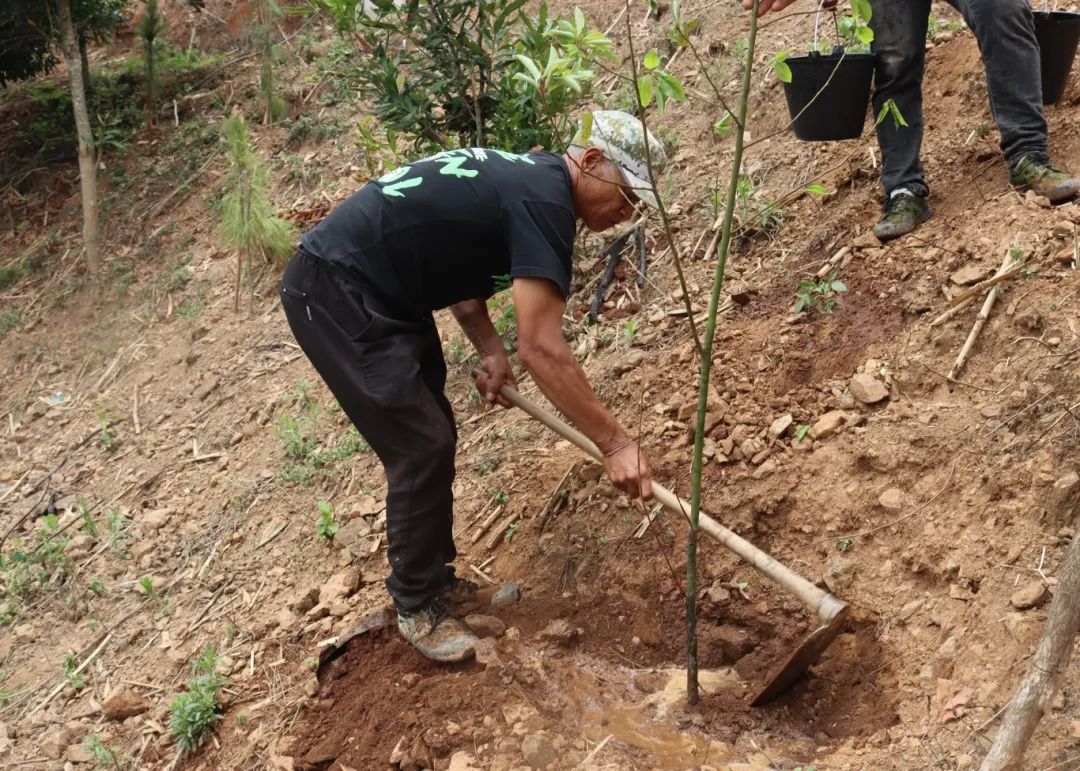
x: 150, y: 27
x: 248, y: 224
x: 267, y: 13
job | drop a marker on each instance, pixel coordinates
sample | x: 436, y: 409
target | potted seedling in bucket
x: 828, y: 91
x: 1058, y: 33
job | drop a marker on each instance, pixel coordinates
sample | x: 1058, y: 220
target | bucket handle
x: 836, y: 23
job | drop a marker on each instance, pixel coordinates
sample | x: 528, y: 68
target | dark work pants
x: 1005, y: 30
x: 388, y: 376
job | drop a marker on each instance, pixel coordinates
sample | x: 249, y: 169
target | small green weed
x: 104, y: 757
x: 486, y: 465
x: 118, y: 526
x: 73, y: 678
x: 801, y: 432
x: 818, y: 295
x: 511, y: 532
x: 844, y: 544
x: 9, y: 320
x: 108, y: 439
x: 327, y: 528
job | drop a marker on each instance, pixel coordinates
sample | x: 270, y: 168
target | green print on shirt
x: 452, y: 160
x: 392, y: 188
x: 453, y: 166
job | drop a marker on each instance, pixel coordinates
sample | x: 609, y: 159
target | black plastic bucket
x: 839, y: 111
x: 1058, y: 33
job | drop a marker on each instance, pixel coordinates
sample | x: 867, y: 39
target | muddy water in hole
x: 644, y: 725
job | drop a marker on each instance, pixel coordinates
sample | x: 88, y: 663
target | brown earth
x: 926, y: 511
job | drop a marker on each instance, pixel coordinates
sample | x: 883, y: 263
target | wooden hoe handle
x: 818, y: 600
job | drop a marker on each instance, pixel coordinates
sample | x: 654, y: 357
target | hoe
x: 831, y: 611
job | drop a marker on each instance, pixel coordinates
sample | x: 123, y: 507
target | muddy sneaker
x: 461, y: 596
x: 903, y: 213
x: 1035, y: 172
x: 437, y: 634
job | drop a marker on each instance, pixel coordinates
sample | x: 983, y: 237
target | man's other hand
x: 629, y: 470
x: 778, y: 5
x: 495, y: 373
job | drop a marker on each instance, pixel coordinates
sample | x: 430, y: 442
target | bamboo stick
x: 980, y: 322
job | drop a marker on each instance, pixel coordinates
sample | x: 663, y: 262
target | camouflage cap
x: 620, y: 136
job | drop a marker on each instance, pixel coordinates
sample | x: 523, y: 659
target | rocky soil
x: 162, y: 460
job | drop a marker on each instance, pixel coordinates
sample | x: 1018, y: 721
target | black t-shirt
x: 453, y: 227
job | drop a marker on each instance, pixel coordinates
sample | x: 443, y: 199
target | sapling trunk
x: 706, y: 366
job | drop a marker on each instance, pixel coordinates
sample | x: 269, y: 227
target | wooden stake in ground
x: 1048, y: 666
x: 980, y: 321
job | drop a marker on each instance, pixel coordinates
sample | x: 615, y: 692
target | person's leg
x: 900, y: 44
x: 373, y: 366
x: 1005, y: 30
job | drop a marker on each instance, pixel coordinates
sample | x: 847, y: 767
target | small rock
x: 351, y: 532
x: 485, y: 626
x: 311, y: 687
x: 1063, y: 229
x: 80, y: 545
x: 340, y: 585
x: 765, y: 469
x: 718, y: 593
x: 560, y: 630
x: 123, y: 703
x: 142, y: 548
x: 866, y: 241
x: 462, y: 761
x: 1030, y: 595
x: 969, y: 274
x: 827, y: 425
x: 911, y: 609
x: 506, y: 594
x: 304, y: 600
x: 1067, y: 481
x: 152, y: 521
x: 1035, y: 199
x: 538, y: 751
x: 892, y: 499
x: 991, y: 411
x: 54, y: 742
x: 867, y: 389
x: 780, y: 426
x: 485, y: 652
x: 79, y: 753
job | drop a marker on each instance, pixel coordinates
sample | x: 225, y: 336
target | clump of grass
x: 195, y: 712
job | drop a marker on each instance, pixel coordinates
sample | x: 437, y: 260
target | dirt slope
x: 933, y: 510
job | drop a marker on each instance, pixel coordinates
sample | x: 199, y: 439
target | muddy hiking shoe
x: 461, y: 596
x: 903, y: 213
x: 1034, y: 171
x: 434, y: 632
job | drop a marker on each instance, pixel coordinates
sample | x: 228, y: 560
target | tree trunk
x: 1032, y: 699
x: 85, y: 64
x: 87, y: 165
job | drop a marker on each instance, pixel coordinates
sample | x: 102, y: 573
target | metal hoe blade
x: 802, y: 658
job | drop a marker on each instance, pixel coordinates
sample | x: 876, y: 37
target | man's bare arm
x: 549, y: 360
x: 472, y: 316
